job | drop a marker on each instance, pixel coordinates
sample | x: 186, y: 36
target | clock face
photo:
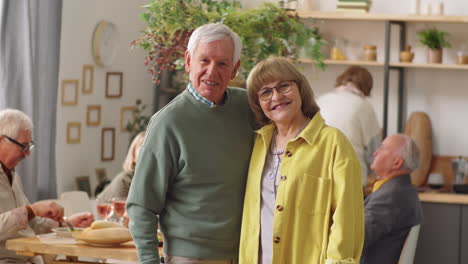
x: 105, y: 41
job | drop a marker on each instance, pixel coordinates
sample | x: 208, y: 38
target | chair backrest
x: 75, y: 202
x: 409, y: 248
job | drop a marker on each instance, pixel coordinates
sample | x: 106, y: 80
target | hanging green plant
x: 266, y: 30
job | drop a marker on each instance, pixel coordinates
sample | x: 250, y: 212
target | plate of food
x: 104, y: 233
x: 66, y: 232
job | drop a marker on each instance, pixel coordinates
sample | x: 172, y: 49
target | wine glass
x: 119, y: 208
x: 104, y: 209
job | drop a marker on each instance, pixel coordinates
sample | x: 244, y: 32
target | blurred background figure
x: 120, y: 185
x: 19, y: 218
x: 393, y: 207
x: 347, y: 108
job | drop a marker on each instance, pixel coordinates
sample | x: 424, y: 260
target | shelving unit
x: 392, y: 64
x: 388, y: 20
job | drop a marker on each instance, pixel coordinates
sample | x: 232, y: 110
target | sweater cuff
x: 31, y: 214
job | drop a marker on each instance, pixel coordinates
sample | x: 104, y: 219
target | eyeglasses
x: 24, y: 147
x: 283, y: 87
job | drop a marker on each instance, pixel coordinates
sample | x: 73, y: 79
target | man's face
x: 10, y: 153
x: 388, y: 156
x: 211, y: 68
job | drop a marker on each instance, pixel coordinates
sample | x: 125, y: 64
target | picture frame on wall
x: 93, y: 115
x: 127, y: 114
x: 73, y: 132
x: 69, y: 92
x: 87, y: 82
x: 83, y: 184
x: 107, y: 143
x: 114, y: 84
x: 101, y: 175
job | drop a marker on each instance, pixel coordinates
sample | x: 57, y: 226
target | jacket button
x: 276, y: 239
x: 288, y: 153
x: 283, y: 178
x: 279, y: 208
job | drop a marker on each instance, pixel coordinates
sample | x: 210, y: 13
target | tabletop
x: 32, y: 246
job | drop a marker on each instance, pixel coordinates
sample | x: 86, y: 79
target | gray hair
x: 212, y: 32
x: 13, y: 121
x: 410, y: 153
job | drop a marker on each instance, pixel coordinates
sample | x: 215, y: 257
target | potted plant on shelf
x: 266, y: 30
x: 435, y: 40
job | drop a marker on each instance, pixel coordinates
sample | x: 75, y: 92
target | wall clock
x: 104, y: 43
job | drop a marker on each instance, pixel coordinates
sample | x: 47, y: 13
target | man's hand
x: 81, y: 219
x: 48, y: 209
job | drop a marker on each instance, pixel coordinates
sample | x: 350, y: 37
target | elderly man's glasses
x: 265, y: 94
x: 24, y: 147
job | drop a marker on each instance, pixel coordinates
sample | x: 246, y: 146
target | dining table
x: 73, y: 253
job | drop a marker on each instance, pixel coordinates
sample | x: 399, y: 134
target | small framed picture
x: 127, y: 114
x: 93, y: 115
x: 101, y: 175
x: 87, y: 82
x: 114, y: 84
x: 73, y: 132
x: 82, y: 183
x: 107, y: 143
x: 69, y: 92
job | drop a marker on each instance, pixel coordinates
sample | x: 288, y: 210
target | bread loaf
x: 112, y: 233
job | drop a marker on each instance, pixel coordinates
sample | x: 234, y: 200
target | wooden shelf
x: 380, y: 17
x: 392, y: 64
x: 346, y: 62
x: 430, y: 66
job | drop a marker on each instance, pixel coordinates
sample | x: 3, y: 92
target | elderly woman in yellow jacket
x: 304, y: 201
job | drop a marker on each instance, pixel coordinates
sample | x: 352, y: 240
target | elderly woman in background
x: 303, y: 201
x: 347, y: 109
x: 120, y: 185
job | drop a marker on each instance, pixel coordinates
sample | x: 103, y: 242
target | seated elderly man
x: 19, y: 218
x: 393, y: 207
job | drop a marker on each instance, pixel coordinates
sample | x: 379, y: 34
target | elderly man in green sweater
x: 191, y: 174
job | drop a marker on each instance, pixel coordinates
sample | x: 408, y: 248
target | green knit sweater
x: 191, y: 173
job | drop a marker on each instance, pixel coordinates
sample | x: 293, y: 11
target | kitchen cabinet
x: 399, y: 67
x: 443, y: 237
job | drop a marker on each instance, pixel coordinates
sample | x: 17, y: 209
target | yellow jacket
x: 319, y: 217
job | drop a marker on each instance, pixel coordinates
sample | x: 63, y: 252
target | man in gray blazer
x: 393, y: 207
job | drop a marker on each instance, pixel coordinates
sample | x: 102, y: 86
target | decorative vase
x: 434, y: 55
x: 407, y: 55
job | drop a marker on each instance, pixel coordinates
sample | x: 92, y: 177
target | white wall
x: 442, y: 94
x: 79, y: 19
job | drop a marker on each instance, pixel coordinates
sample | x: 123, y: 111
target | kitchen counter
x: 448, y: 198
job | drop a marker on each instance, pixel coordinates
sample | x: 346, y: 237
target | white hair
x: 212, y: 32
x: 13, y: 121
x: 409, y: 153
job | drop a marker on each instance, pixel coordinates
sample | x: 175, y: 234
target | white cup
x: 436, y: 179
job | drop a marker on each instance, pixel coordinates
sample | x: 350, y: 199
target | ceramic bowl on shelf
x: 406, y: 56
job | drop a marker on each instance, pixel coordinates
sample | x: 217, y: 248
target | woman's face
x: 285, y: 102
